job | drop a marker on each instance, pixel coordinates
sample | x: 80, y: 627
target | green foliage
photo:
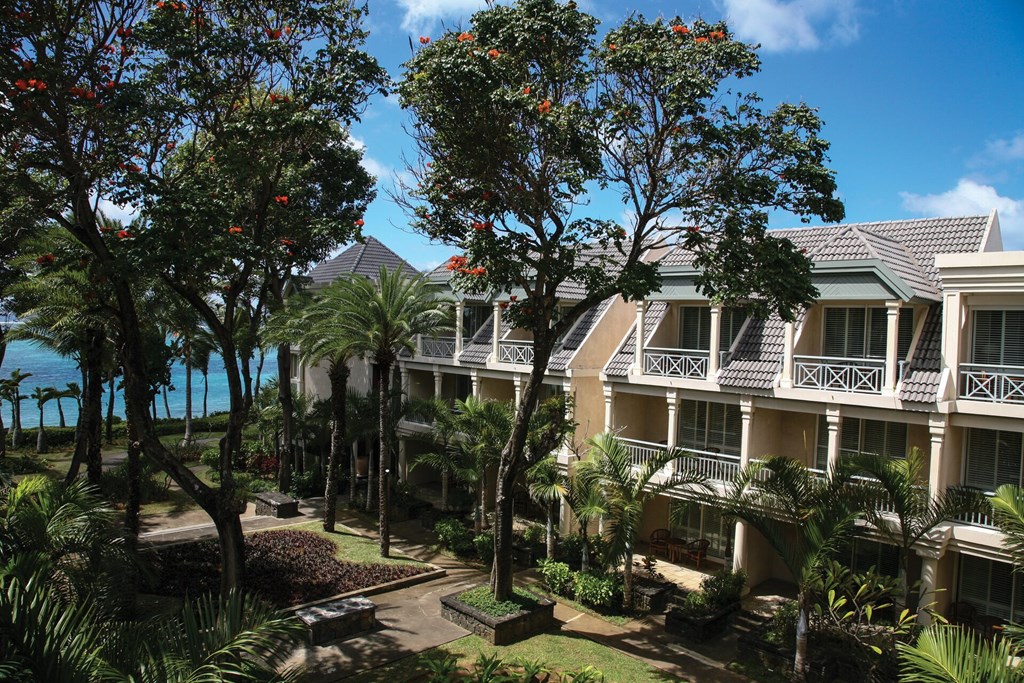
x: 480, y: 598
x: 56, y: 437
x: 597, y: 590
x: 952, y: 654
x: 781, y: 627
x: 308, y: 484
x: 533, y: 535
x: 453, y: 535
x: 557, y: 576
x: 215, y: 424
x: 153, y: 483
x: 724, y: 587
x: 210, y: 457
x: 483, y: 543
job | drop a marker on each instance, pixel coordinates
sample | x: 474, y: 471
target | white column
x: 438, y: 383
x: 952, y: 321
x: 673, y: 418
x: 474, y: 379
x: 496, y: 332
x: 929, y: 570
x: 638, y: 346
x: 404, y: 373
x: 892, y: 342
x: 403, y: 461
x: 714, y: 349
x: 517, y: 383
x: 834, y: 422
x: 787, y: 357
x: 609, y: 399
x: 936, y: 467
x: 460, y: 307
x: 746, y: 429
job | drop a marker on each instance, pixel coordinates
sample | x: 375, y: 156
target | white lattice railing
x: 863, y: 375
x: 714, y: 466
x: 437, y: 347
x: 994, y: 383
x: 691, y: 363
x: 642, y: 451
x: 981, y: 517
x: 516, y: 352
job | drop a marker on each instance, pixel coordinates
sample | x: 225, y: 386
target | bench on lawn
x: 276, y: 504
x: 338, y: 619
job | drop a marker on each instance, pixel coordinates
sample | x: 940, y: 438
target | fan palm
x: 627, y: 489
x: 389, y: 316
x: 548, y: 486
x: 805, y: 518
x: 901, y: 508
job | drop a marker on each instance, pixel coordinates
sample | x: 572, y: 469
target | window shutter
x: 732, y: 321
x: 1013, y: 338
x: 988, y: 337
x: 849, y: 435
x: 981, y: 459
x: 834, y: 343
x: 855, y: 332
x: 733, y: 439
x: 1008, y: 458
x: 821, y: 453
x: 1000, y: 592
x: 878, y: 332
x: 974, y: 580
x: 688, y: 435
x: 873, y: 438
x: 906, y: 333
x: 896, y: 439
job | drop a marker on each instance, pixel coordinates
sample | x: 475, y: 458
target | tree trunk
x: 153, y: 406
x: 167, y: 405
x: 16, y: 419
x: 60, y: 414
x: 339, y: 386
x: 206, y: 392
x: 384, y: 475
x: 134, y: 503
x: 369, y: 477
x: 110, y: 411
x: 3, y: 432
x: 585, y: 560
x: 284, y: 395
x: 353, y: 451
x: 444, y: 490
x: 41, y: 434
x: 188, y: 437
x: 81, y: 397
x: 800, y: 659
x: 551, y: 530
x: 481, y: 503
x: 627, y: 579
x: 89, y: 439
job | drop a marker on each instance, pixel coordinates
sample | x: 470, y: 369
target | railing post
x: 787, y: 357
x: 609, y: 398
x: 496, y: 332
x: 715, y: 342
x: 892, y: 342
x: 638, y: 346
x: 952, y: 323
x: 673, y: 418
x: 517, y: 383
x: 834, y: 421
x: 460, y: 308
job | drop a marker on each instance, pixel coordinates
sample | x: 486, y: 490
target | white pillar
x: 714, y: 349
x: 460, y: 308
x: 936, y: 467
x: 517, y: 383
x: 474, y: 379
x: 609, y: 398
x: 403, y: 461
x: 404, y: 374
x: 496, y: 332
x: 929, y: 570
x: 438, y: 383
x: 952, y: 322
x: 787, y: 356
x: 739, y: 550
x: 834, y: 422
x: 892, y: 342
x: 638, y: 346
x: 746, y: 427
x: 673, y: 418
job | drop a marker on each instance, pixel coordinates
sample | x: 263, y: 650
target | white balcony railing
x: 516, y: 352
x: 437, y: 347
x: 994, y: 383
x: 981, y: 517
x: 691, y: 363
x: 863, y: 375
x: 714, y: 466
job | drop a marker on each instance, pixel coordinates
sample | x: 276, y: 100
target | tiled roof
x: 572, y: 342
x: 921, y: 377
x: 852, y: 243
x: 757, y: 358
x: 364, y: 258
x: 622, y: 361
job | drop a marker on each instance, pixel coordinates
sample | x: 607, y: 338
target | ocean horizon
x: 52, y: 370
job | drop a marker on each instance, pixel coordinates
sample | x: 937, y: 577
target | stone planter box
x: 499, y: 630
x: 653, y: 598
x: 274, y: 504
x: 699, y: 628
x: 338, y: 619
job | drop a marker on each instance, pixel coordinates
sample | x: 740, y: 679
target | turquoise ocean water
x: 50, y: 370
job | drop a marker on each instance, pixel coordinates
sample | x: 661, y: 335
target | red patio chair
x: 697, y: 550
x: 659, y: 541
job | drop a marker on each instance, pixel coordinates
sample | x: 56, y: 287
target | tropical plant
x: 899, y: 505
x: 627, y: 489
x: 484, y: 427
x: 14, y: 395
x: 548, y: 486
x: 806, y: 519
x: 392, y: 312
x: 954, y: 654
x: 445, y: 455
x: 42, y: 396
x: 584, y: 498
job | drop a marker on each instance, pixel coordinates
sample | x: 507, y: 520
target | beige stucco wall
x: 788, y: 433
x: 494, y: 389
x: 640, y: 417
x: 589, y: 409
x: 605, y: 338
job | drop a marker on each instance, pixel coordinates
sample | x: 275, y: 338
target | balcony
x: 517, y: 352
x: 824, y: 373
x: 992, y: 383
x: 689, y: 363
x: 714, y: 466
x: 437, y: 347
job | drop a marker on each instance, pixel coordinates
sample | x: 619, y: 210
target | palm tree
x: 901, y: 508
x: 43, y: 396
x: 626, y: 490
x: 389, y: 317
x: 444, y: 457
x: 71, y: 390
x: 806, y: 519
x: 584, y: 498
x: 361, y: 423
x: 484, y: 428
x: 548, y: 486
x: 16, y: 397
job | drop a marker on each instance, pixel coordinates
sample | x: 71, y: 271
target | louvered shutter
x: 712, y: 530
x: 981, y: 459
x: 732, y: 321
x: 849, y: 436
x: 733, y: 438
x: 1008, y: 455
x: 688, y: 430
x: 856, y: 323
x: 974, y: 581
x: 821, y: 452
x: 695, y: 327
x: 1000, y: 592
x: 878, y: 332
x: 716, y: 426
x: 988, y: 338
x: 1013, y: 338
x: 873, y: 437
x: 834, y: 343
x: 896, y: 439
x: 906, y: 333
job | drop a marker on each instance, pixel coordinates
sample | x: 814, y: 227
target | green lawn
x: 355, y: 548
x: 554, y: 649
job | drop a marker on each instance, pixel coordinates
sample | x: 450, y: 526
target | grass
x: 616, y: 619
x: 552, y: 649
x: 355, y: 548
x: 482, y: 599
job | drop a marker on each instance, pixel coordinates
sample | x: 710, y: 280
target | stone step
x: 748, y: 622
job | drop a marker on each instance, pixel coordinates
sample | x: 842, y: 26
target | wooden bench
x: 274, y: 504
x: 338, y: 619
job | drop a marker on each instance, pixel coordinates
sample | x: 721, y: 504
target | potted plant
x: 706, y: 613
x: 652, y: 589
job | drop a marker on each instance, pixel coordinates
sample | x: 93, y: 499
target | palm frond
x: 951, y: 654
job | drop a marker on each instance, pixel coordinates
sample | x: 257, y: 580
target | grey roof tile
x: 364, y: 258
x: 563, y: 354
x: 622, y: 360
x: 921, y: 378
x: 851, y: 243
x: 757, y: 358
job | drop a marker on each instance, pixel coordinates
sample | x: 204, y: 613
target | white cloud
x: 972, y: 198
x: 125, y: 213
x: 419, y: 14
x: 1011, y: 149
x: 781, y: 25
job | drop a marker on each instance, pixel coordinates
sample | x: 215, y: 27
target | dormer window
x: 695, y: 327
x: 860, y: 332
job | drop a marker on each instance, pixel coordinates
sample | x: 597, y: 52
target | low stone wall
x: 338, y: 619
x: 499, y: 630
x: 274, y: 504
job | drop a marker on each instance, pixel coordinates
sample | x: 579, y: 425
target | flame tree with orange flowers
x: 222, y: 123
x: 642, y: 114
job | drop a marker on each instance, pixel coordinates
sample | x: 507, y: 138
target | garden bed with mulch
x: 285, y: 567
